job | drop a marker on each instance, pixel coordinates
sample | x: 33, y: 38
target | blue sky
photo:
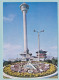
x: 41, y: 15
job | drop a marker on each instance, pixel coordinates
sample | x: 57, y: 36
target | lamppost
x: 38, y: 43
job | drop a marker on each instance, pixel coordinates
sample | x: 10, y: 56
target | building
x: 42, y: 55
x: 25, y: 57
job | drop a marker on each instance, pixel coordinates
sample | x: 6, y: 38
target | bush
x: 6, y: 63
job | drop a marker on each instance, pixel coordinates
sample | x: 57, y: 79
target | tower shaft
x: 25, y: 32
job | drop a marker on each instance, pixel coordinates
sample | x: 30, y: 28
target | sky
x: 40, y: 16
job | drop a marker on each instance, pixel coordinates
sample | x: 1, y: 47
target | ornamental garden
x: 34, y: 69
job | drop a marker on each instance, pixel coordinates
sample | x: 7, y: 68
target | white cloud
x: 10, y: 47
x: 11, y: 51
x: 9, y: 18
x: 53, y: 47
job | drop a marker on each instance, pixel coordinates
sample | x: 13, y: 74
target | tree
x: 54, y: 61
x: 6, y: 63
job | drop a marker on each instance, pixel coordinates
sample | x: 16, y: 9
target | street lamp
x: 38, y: 43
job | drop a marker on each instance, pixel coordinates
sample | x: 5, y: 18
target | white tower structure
x: 24, y: 7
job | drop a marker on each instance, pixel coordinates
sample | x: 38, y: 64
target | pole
x: 38, y: 43
x: 38, y: 48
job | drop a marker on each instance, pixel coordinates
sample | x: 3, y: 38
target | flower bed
x: 8, y: 71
